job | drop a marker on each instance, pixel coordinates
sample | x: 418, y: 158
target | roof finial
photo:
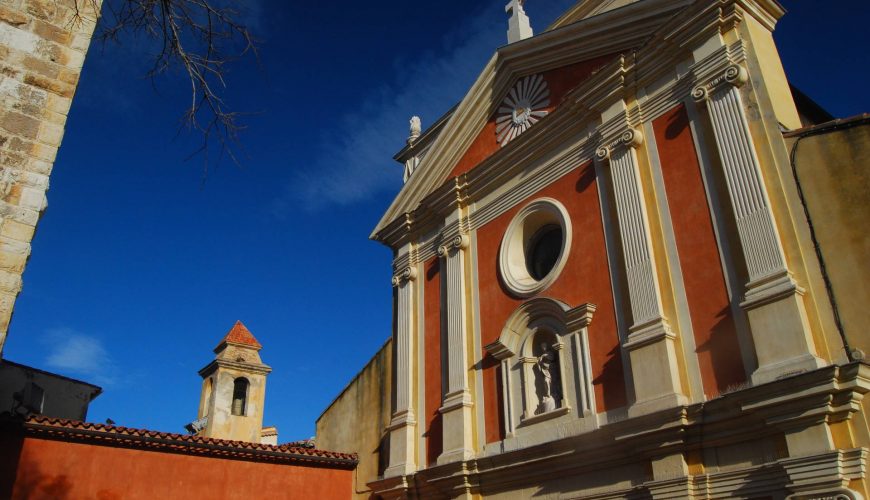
x: 518, y: 25
x: 415, y: 129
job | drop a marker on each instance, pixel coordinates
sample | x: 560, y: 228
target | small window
x: 240, y: 396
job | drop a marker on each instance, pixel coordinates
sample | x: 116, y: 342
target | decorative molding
x: 521, y: 108
x: 512, y: 263
x: 514, y: 347
x: 633, y: 226
x: 756, y: 228
x: 407, y: 274
x: 458, y: 242
x: 630, y: 138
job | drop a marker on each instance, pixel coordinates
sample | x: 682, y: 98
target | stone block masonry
x: 43, y: 44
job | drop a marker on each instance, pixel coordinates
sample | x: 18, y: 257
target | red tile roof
x: 239, y: 334
x: 114, y: 435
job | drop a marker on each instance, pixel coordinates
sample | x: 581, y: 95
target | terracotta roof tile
x: 181, y: 443
x: 239, y: 334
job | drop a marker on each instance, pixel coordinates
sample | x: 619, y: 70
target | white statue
x: 415, y: 129
x: 545, y: 365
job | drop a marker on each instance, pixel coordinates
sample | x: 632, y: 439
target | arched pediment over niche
x: 538, y: 312
x: 545, y: 364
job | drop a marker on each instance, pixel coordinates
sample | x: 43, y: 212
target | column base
x: 780, y: 329
x: 653, y: 405
x: 402, y: 439
x: 456, y: 418
x: 786, y: 368
x: 653, y: 358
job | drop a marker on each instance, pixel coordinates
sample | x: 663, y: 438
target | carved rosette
x: 524, y: 105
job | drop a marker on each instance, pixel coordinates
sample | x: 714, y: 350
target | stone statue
x: 416, y: 129
x: 545, y: 365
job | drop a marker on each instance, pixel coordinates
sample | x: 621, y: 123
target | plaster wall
x: 834, y: 176
x: 63, y: 397
x: 59, y: 469
x: 42, y: 50
x: 585, y: 278
x: 356, y: 421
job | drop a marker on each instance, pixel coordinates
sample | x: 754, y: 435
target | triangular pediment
x: 472, y: 131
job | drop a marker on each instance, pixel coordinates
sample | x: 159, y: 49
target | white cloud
x: 355, y: 159
x: 80, y: 355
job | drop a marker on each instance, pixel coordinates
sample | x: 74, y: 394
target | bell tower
x: 233, y: 389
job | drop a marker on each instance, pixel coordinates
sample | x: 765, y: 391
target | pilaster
x: 773, y: 300
x: 456, y: 410
x: 650, y: 341
x: 403, y: 423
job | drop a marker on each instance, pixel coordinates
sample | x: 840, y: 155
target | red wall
x: 432, y: 346
x: 715, y: 336
x: 560, y: 81
x: 585, y: 278
x: 59, y: 469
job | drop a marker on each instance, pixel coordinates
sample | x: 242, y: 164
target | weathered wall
x: 832, y: 168
x: 42, y: 49
x: 63, y: 397
x: 59, y: 469
x: 356, y: 421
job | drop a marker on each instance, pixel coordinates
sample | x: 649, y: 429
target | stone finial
x: 415, y: 129
x: 518, y: 24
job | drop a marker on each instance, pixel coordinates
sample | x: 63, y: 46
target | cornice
x: 823, y: 396
x: 259, y: 368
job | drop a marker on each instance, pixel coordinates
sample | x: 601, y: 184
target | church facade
x: 605, y: 282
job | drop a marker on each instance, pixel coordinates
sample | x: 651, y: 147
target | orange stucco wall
x: 560, y: 81
x: 715, y: 336
x: 432, y: 346
x: 59, y: 469
x: 585, y: 278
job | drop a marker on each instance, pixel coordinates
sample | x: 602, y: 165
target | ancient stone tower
x: 234, y: 389
x: 42, y: 48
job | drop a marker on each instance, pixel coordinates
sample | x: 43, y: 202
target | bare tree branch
x: 199, y: 36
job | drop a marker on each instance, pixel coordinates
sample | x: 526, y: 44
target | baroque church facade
x: 605, y: 282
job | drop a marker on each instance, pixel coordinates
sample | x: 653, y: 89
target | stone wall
x: 42, y: 49
x: 356, y: 421
x: 831, y: 163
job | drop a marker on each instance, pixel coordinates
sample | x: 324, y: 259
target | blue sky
x: 139, y: 267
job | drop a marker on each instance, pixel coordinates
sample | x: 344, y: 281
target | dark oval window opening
x: 544, y: 249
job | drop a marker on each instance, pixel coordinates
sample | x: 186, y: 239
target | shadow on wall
x: 26, y: 480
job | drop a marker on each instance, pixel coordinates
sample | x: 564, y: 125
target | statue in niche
x: 548, y: 383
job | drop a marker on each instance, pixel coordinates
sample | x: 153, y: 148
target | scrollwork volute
x: 630, y: 138
x: 735, y: 75
x: 407, y: 274
x: 458, y: 242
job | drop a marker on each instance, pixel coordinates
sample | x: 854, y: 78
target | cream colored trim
x: 514, y: 245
